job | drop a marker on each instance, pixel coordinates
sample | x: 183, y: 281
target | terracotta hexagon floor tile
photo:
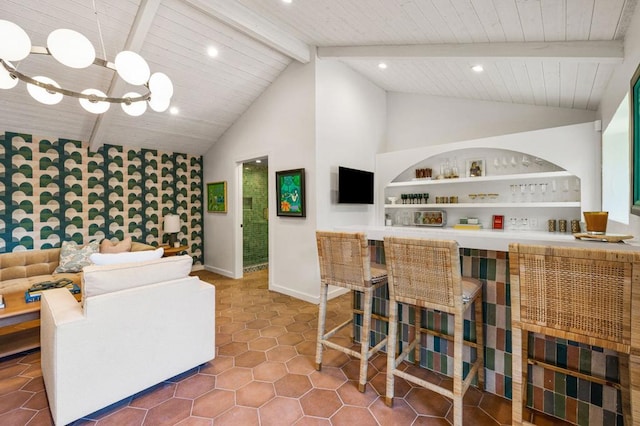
x: 255, y: 394
x: 213, y: 403
x: 475, y: 416
x: 12, y: 384
x: 169, y: 412
x: 281, y: 353
x: 258, y: 324
x: 254, y: 309
x: 305, y: 317
x: 273, y: 331
x: 266, y: 315
x: 37, y: 402
x: 400, y: 386
x: 243, y: 317
x: 328, y: 378
x: 13, y: 399
x: 353, y: 416
x: 431, y: 421
x: 262, y: 344
x: 352, y: 370
x: 12, y: 370
x: 17, y: 416
x: 312, y: 421
x: 217, y: 365
x: 426, y: 402
x: 320, y: 403
x: 124, y: 416
x: 352, y: 396
x: 280, y: 411
x: 195, y: 386
x: 154, y: 396
x: 298, y: 327
x: 35, y: 385
x: 306, y: 348
x: 245, y: 335
x: 290, y: 339
x: 400, y: 414
x: 332, y: 358
x: 497, y: 407
x: 269, y: 371
x: 195, y: 421
x: 292, y: 385
x: 222, y: 339
x: 234, y: 378
x: 233, y: 349
x: 237, y: 416
x: 301, y: 364
x: 250, y: 359
x: 282, y: 320
x: 231, y: 327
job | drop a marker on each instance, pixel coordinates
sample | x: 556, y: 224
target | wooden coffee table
x: 19, y: 324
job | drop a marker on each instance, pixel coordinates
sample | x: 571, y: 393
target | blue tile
x: 508, y: 386
x: 572, y: 387
x: 596, y: 394
x: 561, y: 355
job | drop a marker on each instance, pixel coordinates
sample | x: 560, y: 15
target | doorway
x: 255, y: 215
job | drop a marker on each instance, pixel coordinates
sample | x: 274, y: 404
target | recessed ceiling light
x: 477, y: 68
x: 174, y: 110
x: 382, y: 66
x: 212, y: 51
x: 287, y: 1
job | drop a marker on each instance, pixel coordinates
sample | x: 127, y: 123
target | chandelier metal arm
x: 51, y: 88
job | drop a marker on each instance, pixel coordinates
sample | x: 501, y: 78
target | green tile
x: 559, y: 405
x: 491, y: 313
x: 508, y: 359
x: 585, y: 360
x: 491, y: 269
x: 490, y: 358
x: 430, y: 360
x: 560, y: 383
x: 583, y: 413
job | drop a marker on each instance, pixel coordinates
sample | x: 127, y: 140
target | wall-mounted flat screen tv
x: 355, y: 186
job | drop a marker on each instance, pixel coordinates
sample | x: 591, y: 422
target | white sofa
x: 138, y: 324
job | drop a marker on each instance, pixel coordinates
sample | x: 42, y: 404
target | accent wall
x: 54, y: 190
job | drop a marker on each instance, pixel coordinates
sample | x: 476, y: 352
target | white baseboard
x: 311, y: 298
x: 223, y: 272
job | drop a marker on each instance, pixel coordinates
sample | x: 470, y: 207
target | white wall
x: 420, y: 120
x: 351, y: 124
x: 614, y: 93
x: 281, y: 125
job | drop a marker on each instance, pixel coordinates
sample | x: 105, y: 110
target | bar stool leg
x: 479, y: 341
x: 392, y: 340
x: 322, y: 314
x: 365, y: 337
x: 625, y: 391
x: 519, y: 384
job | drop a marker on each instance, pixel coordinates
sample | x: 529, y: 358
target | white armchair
x: 139, y: 324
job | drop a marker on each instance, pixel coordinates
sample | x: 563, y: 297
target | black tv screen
x: 355, y: 186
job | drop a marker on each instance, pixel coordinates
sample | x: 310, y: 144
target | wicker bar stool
x: 426, y: 273
x: 345, y: 262
x: 590, y: 296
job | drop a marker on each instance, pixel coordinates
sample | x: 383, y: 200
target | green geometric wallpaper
x: 55, y: 190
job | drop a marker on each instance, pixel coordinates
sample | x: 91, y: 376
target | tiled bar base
x: 575, y: 400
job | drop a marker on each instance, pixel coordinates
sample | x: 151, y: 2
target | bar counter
x: 484, y: 255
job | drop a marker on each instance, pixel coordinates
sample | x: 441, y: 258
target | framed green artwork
x: 217, y: 197
x: 290, y: 193
x: 634, y: 134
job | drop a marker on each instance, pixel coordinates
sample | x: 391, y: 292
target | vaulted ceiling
x: 540, y: 52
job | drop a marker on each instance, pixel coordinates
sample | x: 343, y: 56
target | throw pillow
x: 74, y: 257
x: 127, y: 257
x: 107, y: 246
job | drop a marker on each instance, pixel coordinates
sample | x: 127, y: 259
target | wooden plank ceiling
x: 557, y: 53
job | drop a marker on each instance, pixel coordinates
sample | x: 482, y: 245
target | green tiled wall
x: 575, y: 400
x: 255, y: 215
x: 55, y: 189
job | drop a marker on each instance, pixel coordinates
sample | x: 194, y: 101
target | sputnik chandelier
x: 74, y: 50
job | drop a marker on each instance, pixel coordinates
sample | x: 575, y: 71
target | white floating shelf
x: 519, y: 176
x: 551, y: 204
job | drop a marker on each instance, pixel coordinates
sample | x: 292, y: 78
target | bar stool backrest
x: 344, y: 259
x: 424, y: 272
x: 584, y: 295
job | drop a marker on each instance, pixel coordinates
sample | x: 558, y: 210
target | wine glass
x: 543, y: 191
x: 525, y: 161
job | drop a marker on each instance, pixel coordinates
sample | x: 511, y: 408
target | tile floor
x: 263, y: 375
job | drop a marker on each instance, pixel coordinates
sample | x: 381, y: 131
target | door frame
x: 238, y: 222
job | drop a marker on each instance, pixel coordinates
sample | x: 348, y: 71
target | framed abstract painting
x: 217, y: 197
x: 290, y: 193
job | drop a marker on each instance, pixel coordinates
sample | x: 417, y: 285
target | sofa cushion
x: 126, y: 257
x: 135, y: 246
x: 107, y: 246
x: 102, y: 279
x: 23, y: 264
x: 74, y: 257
